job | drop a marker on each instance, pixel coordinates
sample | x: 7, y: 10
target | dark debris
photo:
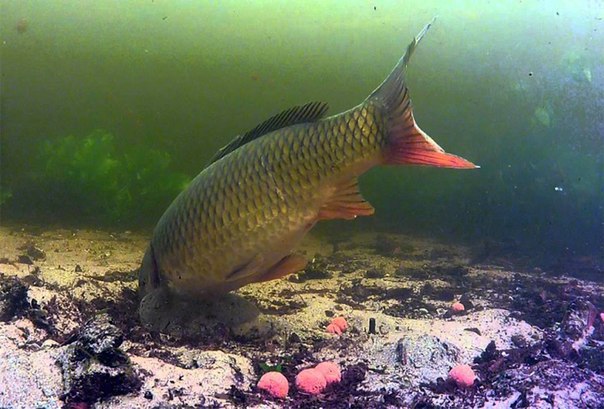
x: 13, y: 298
x: 94, y: 367
x: 32, y: 252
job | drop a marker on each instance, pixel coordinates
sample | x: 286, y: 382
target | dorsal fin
x: 310, y: 112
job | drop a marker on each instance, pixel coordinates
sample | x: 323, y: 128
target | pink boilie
x: 331, y: 371
x: 275, y: 384
x: 462, y: 375
x: 311, y: 381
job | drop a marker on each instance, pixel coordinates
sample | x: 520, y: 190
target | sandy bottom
x: 70, y: 335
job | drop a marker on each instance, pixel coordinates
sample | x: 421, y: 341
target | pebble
x: 50, y: 343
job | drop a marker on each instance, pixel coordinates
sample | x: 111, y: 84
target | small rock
x: 386, y: 246
x: 427, y: 352
x: 579, y: 318
x: 294, y: 338
x: 49, y: 343
x: 94, y: 367
x: 374, y: 273
x: 101, y: 338
x: 13, y: 297
x: 519, y: 341
x: 354, y: 375
x: 466, y: 301
x: 32, y: 251
x: 316, y: 269
x: 25, y: 259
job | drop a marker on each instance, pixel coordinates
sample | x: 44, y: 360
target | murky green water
x: 517, y: 87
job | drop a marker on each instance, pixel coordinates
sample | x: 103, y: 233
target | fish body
x: 241, y: 218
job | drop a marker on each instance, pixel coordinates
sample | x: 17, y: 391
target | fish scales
x: 240, y: 219
x: 263, y: 191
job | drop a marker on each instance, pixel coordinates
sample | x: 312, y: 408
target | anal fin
x: 346, y: 202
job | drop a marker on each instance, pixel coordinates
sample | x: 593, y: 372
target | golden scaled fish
x: 241, y: 218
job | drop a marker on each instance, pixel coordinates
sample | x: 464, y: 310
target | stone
x: 93, y: 366
x: 13, y: 297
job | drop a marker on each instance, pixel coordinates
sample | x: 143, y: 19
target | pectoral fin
x: 245, y: 270
x: 287, y: 265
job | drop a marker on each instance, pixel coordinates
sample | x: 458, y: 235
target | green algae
x: 5, y: 195
x: 126, y: 185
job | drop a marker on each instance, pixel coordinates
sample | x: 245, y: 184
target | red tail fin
x: 411, y: 146
x: 408, y: 143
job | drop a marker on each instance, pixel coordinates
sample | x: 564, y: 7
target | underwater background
x: 110, y: 107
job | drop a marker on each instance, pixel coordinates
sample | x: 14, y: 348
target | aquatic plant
x: 5, y: 195
x: 265, y: 367
x: 92, y: 178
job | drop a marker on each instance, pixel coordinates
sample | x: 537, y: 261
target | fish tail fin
x: 408, y: 144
